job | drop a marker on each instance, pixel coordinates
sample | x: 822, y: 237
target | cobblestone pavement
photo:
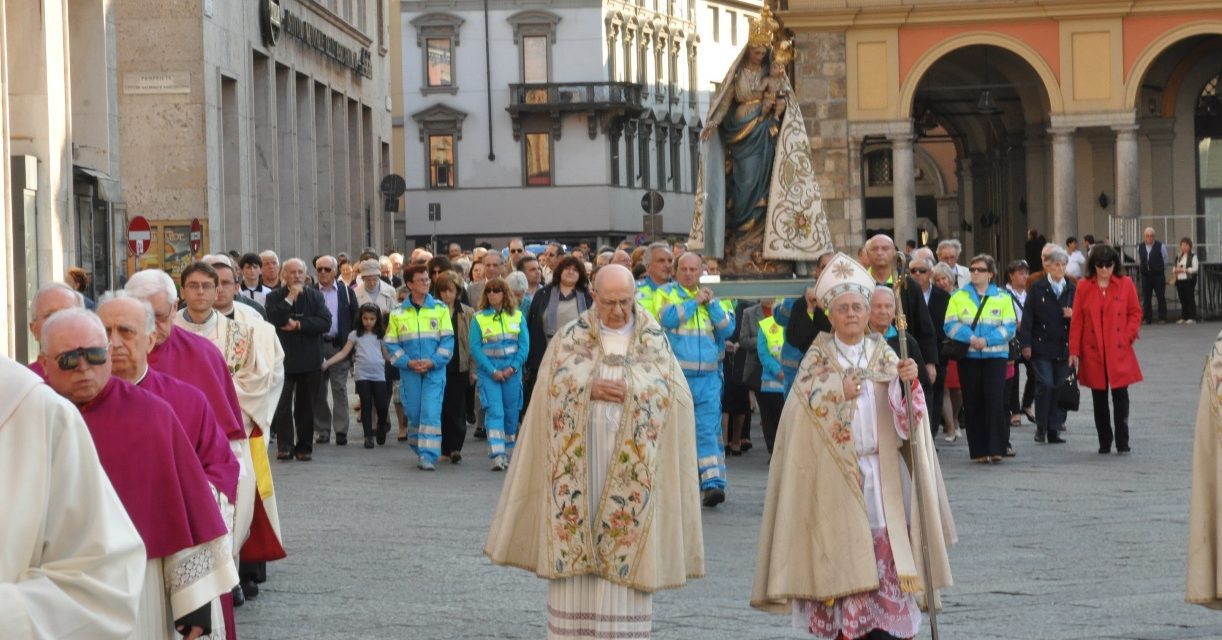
x: 1059, y: 543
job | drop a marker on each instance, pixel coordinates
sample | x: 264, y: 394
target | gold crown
x: 782, y: 53
x: 763, y: 29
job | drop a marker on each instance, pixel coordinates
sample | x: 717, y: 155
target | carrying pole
x: 915, y: 431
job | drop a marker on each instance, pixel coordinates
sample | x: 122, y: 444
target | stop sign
x: 139, y: 235
x: 197, y: 235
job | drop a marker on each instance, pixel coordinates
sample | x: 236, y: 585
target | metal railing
x: 575, y: 96
x: 1206, y: 235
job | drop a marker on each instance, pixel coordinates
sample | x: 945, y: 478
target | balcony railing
x: 555, y: 97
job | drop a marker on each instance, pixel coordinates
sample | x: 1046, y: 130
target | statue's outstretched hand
x: 707, y: 132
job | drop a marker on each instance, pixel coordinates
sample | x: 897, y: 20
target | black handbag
x: 1016, y: 350
x: 1068, y: 395
x: 953, y: 349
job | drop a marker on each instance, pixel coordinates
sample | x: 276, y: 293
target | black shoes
x: 341, y: 439
x: 455, y: 457
x: 284, y: 455
x: 1039, y: 437
x: 239, y: 598
x: 303, y: 457
x: 712, y: 497
x: 1053, y: 438
x: 249, y: 588
x: 480, y: 433
x: 368, y: 443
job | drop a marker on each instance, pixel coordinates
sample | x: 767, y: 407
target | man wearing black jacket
x: 341, y: 304
x: 921, y: 270
x: 880, y: 251
x: 300, y: 316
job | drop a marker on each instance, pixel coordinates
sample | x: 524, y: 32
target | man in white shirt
x: 1077, y: 261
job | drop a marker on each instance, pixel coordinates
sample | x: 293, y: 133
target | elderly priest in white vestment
x: 602, y: 498
x: 1205, y: 519
x: 71, y: 561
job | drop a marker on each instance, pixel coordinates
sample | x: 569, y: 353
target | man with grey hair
x: 271, y: 268
x: 341, y: 303
x: 948, y: 254
x: 300, y: 316
x: 576, y: 434
x: 659, y: 265
x: 49, y: 299
x: 1154, y: 261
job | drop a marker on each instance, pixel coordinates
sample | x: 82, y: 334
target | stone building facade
x: 267, y: 120
x: 979, y: 120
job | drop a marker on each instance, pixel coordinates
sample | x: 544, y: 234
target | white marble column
x: 1128, y: 176
x: 1064, y: 184
x: 903, y: 188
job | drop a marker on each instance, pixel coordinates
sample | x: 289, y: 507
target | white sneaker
x: 425, y: 465
x: 1180, y: 321
x: 1190, y: 321
x: 498, y: 463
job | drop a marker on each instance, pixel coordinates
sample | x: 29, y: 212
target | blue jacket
x: 697, y: 332
x: 499, y: 340
x: 416, y: 334
x: 997, y: 323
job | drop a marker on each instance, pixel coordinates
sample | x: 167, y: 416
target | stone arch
x: 1052, y: 87
x: 1132, y: 83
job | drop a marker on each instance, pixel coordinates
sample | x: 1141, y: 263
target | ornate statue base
x: 744, y: 258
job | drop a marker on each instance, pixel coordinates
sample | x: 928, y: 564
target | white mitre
x: 843, y: 275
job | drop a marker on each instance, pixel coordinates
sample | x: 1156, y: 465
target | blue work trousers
x: 422, y: 398
x: 502, y: 402
x: 710, y: 452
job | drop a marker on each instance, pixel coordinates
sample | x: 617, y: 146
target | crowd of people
x: 244, y: 354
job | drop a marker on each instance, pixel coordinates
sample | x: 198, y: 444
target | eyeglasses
x: 515, y: 251
x: 918, y: 270
x: 1105, y: 265
x: 325, y: 269
x: 979, y: 270
x: 70, y: 360
x: 199, y: 286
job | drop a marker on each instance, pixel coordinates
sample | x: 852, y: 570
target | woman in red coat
x: 1104, y: 325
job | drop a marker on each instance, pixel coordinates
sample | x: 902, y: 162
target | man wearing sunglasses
x: 155, y: 472
x: 73, y: 566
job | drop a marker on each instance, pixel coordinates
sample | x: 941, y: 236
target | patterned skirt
x: 888, y: 609
x: 589, y: 607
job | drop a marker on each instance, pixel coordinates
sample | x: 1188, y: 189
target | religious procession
x: 612, y: 392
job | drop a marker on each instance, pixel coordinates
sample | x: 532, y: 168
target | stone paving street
x: 1059, y: 543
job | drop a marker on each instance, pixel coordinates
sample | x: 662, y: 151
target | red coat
x: 1102, y: 332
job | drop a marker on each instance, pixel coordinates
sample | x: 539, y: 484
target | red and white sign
x: 197, y: 235
x: 139, y: 236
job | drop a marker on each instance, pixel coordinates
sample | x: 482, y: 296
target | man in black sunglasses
x: 153, y: 469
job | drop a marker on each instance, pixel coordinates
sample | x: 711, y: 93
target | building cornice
x: 804, y: 16
x: 336, y: 21
x: 423, y: 6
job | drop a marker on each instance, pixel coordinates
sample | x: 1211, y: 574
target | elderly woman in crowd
x: 943, y: 279
x: 1044, y: 336
x: 1106, y: 322
x: 982, y: 316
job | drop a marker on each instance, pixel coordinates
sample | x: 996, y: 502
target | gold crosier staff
x: 901, y: 327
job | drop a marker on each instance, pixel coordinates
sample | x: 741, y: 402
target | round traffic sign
x: 652, y: 202
x: 197, y: 235
x: 139, y: 235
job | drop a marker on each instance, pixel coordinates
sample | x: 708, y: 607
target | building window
x: 537, y: 152
x: 878, y: 169
x: 534, y: 60
x: 440, y: 132
x: 732, y: 19
x: 441, y: 162
x: 440, y: 53
x: 716, y: 24
x: 437, y: 36
x: 676, y: 169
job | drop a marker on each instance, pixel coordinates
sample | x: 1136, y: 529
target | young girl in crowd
x: 370, y: 371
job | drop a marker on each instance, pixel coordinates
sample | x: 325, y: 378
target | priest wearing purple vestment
x: 155, y: 473
x: 50, y: 298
